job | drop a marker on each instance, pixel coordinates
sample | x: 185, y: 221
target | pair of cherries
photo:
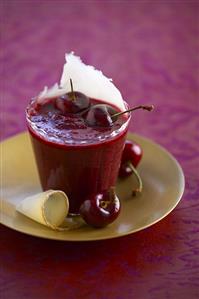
x: 99, y: 115
x: 103, y: 208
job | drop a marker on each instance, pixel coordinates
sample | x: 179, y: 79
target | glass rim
x: 44, y: 136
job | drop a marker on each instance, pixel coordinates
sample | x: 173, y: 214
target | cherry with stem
x: 102, y: 115
x: 131, y: 156
x: 100, y: 209
x: 72, y: 102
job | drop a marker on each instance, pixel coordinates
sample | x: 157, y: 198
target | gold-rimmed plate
x: 162, y: 177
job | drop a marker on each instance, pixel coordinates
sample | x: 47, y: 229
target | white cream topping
x: 86, y: 79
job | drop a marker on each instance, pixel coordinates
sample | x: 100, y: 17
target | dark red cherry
x: 104, y: 115
x: 125, y: 170
x: 72, y: 102
x: 132, y: 152
x: 131, y: 157
x: 100, y: 116
x: 100, y: 209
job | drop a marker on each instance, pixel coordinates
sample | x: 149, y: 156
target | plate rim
x: 105, y: 237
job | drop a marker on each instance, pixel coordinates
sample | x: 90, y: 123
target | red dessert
x: 72, y: 155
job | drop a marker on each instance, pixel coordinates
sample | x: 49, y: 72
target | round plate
x: 163, y: 182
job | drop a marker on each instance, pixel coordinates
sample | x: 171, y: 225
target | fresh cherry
x: 132, y: 152
x: 100, y: 209
x: 125, y: 170
x: 72, y: 102
x: 104, y: 115
x: 100, y: 116
x: 131, y: 156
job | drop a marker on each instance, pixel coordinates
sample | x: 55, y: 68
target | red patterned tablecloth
x: 150, y: 50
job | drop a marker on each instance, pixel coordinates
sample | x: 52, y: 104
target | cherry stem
x: 104, y: 203
x: 148, y: 108
x: 140, y: 185
x: 72, y: 90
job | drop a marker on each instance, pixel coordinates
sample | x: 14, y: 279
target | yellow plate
x: 162, y: 177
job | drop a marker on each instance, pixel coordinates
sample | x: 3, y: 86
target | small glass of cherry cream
x: 78, y: 144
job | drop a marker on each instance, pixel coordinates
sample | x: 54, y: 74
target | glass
x: 78, y: 169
